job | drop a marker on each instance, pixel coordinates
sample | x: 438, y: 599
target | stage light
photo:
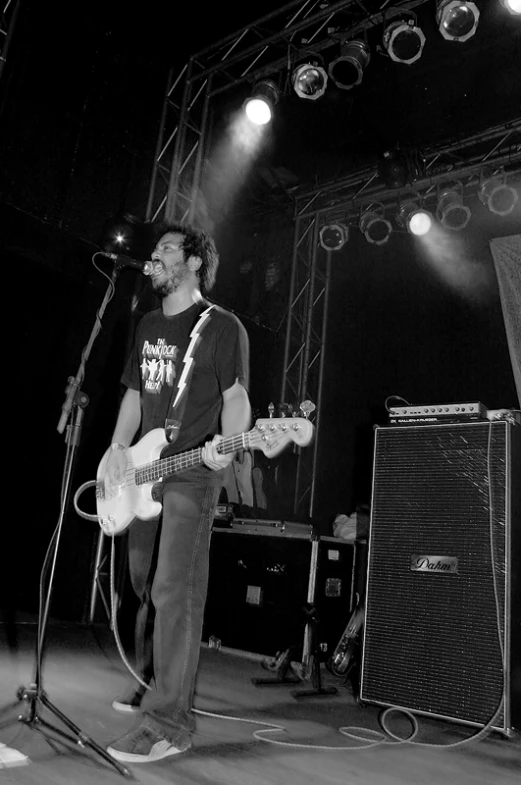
x: 347, y: 70
x: 309, y: 80
x: 333, y: 236
x: 457, y: 19
x: 404, y: 41
x: 512, y: 6
x: 413, y: 217
x: 451, y: 212
x: 121, y: 233
x: 499, y: 197
x: 260, y: 105
x: 374, y: 226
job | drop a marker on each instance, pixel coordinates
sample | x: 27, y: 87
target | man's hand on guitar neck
x: 212, y: 458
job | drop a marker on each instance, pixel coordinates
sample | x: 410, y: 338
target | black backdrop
x: 81, y: 102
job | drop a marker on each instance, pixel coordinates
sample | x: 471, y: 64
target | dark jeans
x: 172, y: 599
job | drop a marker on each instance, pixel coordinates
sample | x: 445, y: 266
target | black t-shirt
x: 156, y: 361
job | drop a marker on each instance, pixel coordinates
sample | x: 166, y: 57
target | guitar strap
x: 177, y: 404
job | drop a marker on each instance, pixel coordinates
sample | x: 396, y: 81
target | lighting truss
x: 7, y: 24
x: 256, y: 52
x: 343, y: 199
x: 496, y: 148
x: 305, y: 339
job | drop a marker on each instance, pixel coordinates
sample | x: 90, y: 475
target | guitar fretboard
x: 163, y: 467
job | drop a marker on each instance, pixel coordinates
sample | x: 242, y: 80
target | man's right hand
x: 115, y: 471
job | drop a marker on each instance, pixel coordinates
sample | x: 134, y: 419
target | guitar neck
x: 153, y: 472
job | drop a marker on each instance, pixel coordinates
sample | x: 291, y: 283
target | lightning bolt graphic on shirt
x: 188, y: 359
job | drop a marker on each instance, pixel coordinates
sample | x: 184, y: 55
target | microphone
x: 147, y: 268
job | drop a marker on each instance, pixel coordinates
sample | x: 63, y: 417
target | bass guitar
x: 133, y: 498
x: 346, y: 651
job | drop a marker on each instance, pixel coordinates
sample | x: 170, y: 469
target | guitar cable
x: 86, y: 515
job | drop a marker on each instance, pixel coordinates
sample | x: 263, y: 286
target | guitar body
x: 133, y: 498
x: 130, y: 500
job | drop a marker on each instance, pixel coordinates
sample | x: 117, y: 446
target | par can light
x: 347, y: 71
x: 457, y: 20
x: 414, y: 218
x: 451, y: 212
x: 404, y: 41
x: 374, y: 225
x: 260, y: 105
x: 309, y: 81
x: 333, y: 236
x: 499, y: 197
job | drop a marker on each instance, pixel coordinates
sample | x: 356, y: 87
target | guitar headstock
x: 273, y: 434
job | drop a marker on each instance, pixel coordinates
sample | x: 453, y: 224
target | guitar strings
x: 172, y: 463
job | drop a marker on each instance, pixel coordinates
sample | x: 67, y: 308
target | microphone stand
x: 34, y: 696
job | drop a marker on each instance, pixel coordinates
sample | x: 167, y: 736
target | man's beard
x: 171, y: 284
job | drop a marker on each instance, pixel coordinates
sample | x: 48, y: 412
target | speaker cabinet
x: 260, y: 581
x: 442, y: 627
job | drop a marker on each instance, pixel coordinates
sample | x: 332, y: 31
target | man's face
x: 169, y: 252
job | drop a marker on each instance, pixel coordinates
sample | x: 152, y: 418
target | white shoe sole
x: 126, y: 707
x: 163, y: 749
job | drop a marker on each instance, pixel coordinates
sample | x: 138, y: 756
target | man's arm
x: 236, y: 411
x: 235, y: 418
x: 129, y: 418
x: 128, y: 421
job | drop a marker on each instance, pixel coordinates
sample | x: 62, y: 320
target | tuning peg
x: 271, y: 409
x: 306, y: 407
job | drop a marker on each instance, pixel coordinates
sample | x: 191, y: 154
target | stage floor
x: 83, y: 672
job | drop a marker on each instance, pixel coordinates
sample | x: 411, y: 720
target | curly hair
x: 195, y: 243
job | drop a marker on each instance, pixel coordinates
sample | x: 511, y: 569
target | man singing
x: 168, y: 558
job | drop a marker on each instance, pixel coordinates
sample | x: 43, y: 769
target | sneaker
x: 143, y: 745
x: 11, y: 757
x: 130, y: 701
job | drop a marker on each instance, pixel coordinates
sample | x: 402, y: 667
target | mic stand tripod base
x: 281, y: 666
x: 316, y: 678
x: 32, y: 696
x: 318, y: 690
